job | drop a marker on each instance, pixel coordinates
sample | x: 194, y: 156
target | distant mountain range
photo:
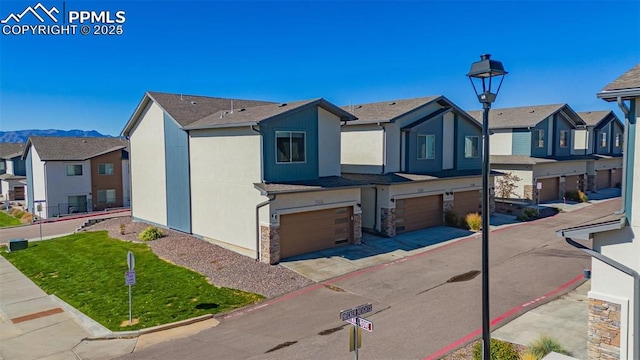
x: 23, y: 135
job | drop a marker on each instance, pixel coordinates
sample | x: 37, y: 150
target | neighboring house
x: 614, y: 298
x: 423, y: 158
x: 260, y: 178
x: 76, y: 174
x: 536, y: 144
x: 603, y: 138
x: 12, y: 171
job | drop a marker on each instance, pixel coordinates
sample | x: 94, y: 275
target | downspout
x: 375, y: 208
x: 636, y: 289
x: 384, y: 147
x: 625, y: 135
x: 271, y: 198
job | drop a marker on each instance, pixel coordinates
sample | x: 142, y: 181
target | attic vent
x: 193, y: 103
x: 393, y: 103
x: 282, y: 105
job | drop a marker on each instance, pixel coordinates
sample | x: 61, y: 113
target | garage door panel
x: 572, y: 183
x: 550, y: 189
x: 603, y: 177
x: 616, y: 177
x: 418, y: 213
x: 466, y: 202
x: 310, y: 231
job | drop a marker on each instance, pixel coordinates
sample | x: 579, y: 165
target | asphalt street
x: 419, y: 308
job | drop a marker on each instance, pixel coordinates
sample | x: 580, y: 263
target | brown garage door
x: 466, y: 202
x: 603, y: 177
x: 309, y: 231
x: 616, y: 177
x: 572, y: 183
x: 418, y: 213
x: 17, y: 193
x: 550, y: 189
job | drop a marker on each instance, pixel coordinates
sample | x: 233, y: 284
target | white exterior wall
x: 126, y: 184
x: 147, y: 166
x: 526, y: 178
x: 225, y: 163
x: 560, y: 168
x: 501, y: 142
x: 361, y: 147
x: 39, y: 177
x: 329, y: 143
x: 311, y: 201
x: 580, y: 141
x: 9, y: 166
x: 60, y: 186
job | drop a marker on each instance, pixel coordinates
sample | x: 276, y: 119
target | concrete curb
x: 99, y: 332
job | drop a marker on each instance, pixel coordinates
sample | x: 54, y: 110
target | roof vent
x: 242, y: 109
x: 193, y: 103
x: 500, y: 113
x: 531, y: 111
x: 359, y: 106
x: 84, y: 141
x: 393, y: 103
x: 282, y: 105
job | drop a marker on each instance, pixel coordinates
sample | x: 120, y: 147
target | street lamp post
x: 481, y: 76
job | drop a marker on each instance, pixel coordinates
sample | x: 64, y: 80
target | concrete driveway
x: 377, y: 250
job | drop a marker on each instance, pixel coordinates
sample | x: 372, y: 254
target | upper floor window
x: 74, y: 170
x: 563, y: 138
x: 603, y: 139
x: 290, y: 147
x: 471, y: 146
x: 618, y: 140
x: 540, y: 138
x: 105, y: 169
x: 107, y: 196
x: 426, y: 146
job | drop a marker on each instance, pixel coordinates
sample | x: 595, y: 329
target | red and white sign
x: 363, y: 323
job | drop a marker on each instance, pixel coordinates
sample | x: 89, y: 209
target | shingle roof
x: 628, y: 80
x: 386, y: 111
x: 52, y: 148
x: 593, y: 118
x: 524, y: 116
x: 528, y: 160
x: 256, y: 114
x: 393, y: 178
x: 320, y: 184
x: 187, y: 109
x: 11, y: 150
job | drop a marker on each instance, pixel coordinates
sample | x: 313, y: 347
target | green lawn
x: 87, y: 271
x: 8, y: 220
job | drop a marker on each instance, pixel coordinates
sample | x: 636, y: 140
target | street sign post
x: 130, y: 279
x: 39, y: 207
x: 352, y: 316
x: 355, y: 312
x: 362, y: 323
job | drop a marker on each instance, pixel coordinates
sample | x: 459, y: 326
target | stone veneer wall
x: 357, y: 228
x: 604, y: 330
x: 388, y: 221
x: 270, y: 244
x: 562, y: 187
x: 591, y: 183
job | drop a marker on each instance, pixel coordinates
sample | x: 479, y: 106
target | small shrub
x: 500, y: 350
x: 451, y: 218
x: 27, y: 218
x: 582, y: 196
x: 522, y: 217
x: 150, y: 233
x: 544, y: 345
x: 122, y: 228
x: 528, y: 356
x: 530, y: 213
x: 473, y: 221
x: 19, y: 214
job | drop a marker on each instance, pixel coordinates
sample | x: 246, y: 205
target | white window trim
x: 290, y: 142
x: 465, y: 147
x: 426, y: 155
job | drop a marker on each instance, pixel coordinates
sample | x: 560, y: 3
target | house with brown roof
x: 603, y: 138
x: 257, y: 177
x: 76, y: 174
x: 422, y: 158
x: 536, y: 143
x: 613, y: 242
x: 12, y: 171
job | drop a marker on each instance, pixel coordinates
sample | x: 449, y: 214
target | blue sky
x: 347, y: 52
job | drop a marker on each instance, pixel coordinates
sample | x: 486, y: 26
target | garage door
x: 603, y: 179
x: 466, y: 202
x: 572, y: 183
x: 616, y: 177
x: 418, y: 213
x: 550, y: 189
x: 310, y: 231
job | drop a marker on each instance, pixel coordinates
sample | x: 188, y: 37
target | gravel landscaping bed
x: 221, y: 266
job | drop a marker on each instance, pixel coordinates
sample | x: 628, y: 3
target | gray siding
x: 29, y: 172
x: 521, y: 142
x: 536, y: 151
x: 561, y: 124
x: 465, y: 128
x: 412, y: 163
x: 305, y: 120
x: 603, y: 150
x: 177, y: 176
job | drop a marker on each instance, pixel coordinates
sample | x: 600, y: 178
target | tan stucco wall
x: 501, y: 142
x: 315, y: 200
x: 566, y: 168
x: 329, y: 141
x: 361, y: 145
x: 147, y: 165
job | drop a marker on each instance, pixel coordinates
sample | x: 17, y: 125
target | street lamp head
x: 482, y: 73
